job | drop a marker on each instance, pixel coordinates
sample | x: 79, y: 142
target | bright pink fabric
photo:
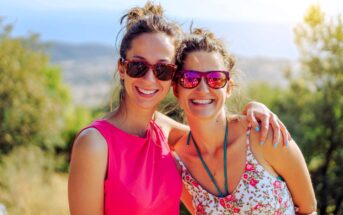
x: 142, y: 177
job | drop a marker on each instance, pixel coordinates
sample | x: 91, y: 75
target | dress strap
x: 249, y: 154
x: 248, y: 135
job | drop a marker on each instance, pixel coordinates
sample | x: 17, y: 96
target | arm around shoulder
x: 173, y: 129
x: 87, y: 174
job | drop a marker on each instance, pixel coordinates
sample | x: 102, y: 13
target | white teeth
x: 202, y: 101
x: 147, y: 92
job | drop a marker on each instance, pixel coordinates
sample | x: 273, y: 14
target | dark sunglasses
x: 190, y: 78
x: 137, y: 69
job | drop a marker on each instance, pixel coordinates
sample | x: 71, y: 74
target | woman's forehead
x: 204, y: 61
x: 152, y: 47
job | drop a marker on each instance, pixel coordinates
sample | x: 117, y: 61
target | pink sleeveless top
x: 142, y: 177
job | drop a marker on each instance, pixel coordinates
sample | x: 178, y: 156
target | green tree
x: 32, y: 95
x: 313, y: 106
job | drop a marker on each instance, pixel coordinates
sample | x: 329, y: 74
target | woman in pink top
x: 122, y: 164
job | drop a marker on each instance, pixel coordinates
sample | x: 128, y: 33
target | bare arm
x: 87, y: 174
x: 173, y: 130
x: 186, y: 199
x: 291, y: 165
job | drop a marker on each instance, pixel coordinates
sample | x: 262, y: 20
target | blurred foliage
x: 37, y: 126
x: 170, y: 107
x: 28, y: 184
x: 312, y: 106
x: 32, y: 95
x: 319, y: 96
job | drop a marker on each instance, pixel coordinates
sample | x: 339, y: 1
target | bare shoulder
x: 89, y: 156
x: 87, y: 173
x: 90, y: 143
x: 92, y: 139
x: 238, y: 123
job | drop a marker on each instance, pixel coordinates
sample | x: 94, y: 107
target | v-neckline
x: 184, y: 168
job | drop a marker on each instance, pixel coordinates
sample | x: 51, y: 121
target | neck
x: 132, y: 119
x: 208, y: 133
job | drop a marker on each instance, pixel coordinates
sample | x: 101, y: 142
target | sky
x: 251, y: 27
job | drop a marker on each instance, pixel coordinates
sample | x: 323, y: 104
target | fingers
x: 252, y: 120
x: 264, y: 129
x: 234, y: 117
x: 286, y: 135
x: 276, y: 129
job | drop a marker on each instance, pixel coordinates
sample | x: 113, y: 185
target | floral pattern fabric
x: 258, y: 192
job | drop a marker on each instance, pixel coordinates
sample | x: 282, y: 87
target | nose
x: 150, y: 76
x: 203, y: 87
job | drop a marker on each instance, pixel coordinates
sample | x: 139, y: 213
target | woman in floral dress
x: 224, y: 167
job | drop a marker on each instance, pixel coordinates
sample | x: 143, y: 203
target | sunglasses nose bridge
x: 203, y: 86
x: 150, y: 74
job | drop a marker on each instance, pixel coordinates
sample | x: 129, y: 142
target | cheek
x: 182, y: 98
x: 127, y: 82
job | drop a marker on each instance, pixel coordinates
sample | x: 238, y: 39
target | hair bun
x: 203, y: 32
x: 137, y: 13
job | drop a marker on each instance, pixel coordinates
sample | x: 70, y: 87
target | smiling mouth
x: 146, y: 92
x: 202, y: 101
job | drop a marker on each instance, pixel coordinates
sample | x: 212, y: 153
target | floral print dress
x: 258, y: 192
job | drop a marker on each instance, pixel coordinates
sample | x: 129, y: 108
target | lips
x: 202, y: 101
x: 146, y: 92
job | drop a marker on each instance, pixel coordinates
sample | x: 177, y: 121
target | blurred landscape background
x: 57, y: 68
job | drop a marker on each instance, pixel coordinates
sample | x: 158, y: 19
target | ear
x: 175, y: 91
x: 121, y: 69
x: 229, y: 88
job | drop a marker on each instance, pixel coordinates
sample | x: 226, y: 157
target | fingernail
x: 286, y: 143
x: 261, y: 142
x: 275, y: 144
x: 257, y: 128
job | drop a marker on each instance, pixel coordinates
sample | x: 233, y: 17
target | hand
x: 257, y: 112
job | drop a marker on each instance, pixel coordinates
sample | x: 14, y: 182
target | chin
x: 147, y: 105
x: 202, y: 115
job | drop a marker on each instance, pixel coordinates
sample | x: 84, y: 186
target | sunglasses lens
x: 137, y: 69
x: 216, y: 79
x: 189, y: 79
x: 164, y: 72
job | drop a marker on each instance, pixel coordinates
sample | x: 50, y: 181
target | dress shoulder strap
x: 249, y: 155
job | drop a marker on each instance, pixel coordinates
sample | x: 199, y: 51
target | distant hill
x: 61, y: 51
x: 89, y: 70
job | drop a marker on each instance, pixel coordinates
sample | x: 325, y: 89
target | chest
x: 235, y: 167
x: 141, y: 176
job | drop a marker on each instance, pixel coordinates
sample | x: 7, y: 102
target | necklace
x: 206, y: 167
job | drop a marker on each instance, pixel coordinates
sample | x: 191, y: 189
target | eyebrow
x: 142, y: 58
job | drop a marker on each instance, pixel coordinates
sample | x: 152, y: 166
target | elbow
x: 307, y: 209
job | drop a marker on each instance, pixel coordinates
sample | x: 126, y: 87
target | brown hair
x: 140, y: 20
x: 202, y: 40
